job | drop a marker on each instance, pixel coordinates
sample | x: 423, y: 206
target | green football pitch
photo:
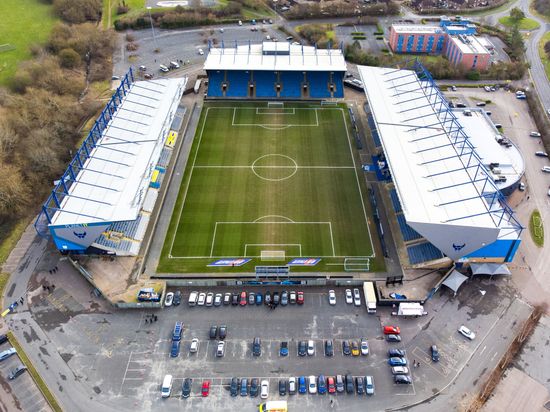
x: 271, y: 183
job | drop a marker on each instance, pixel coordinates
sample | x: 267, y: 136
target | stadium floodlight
x: 152, y: 28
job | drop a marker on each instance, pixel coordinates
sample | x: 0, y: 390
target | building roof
x: 418, y: 29
x: 111, y: 184
x: 277, y: 56
x: 468, y: 44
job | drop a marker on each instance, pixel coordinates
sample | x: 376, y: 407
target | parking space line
x: 125, y: 372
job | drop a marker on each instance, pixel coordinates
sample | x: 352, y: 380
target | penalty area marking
x: 279, y: 126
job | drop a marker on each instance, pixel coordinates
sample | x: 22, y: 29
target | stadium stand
x: 395, y: 201
x: 164, y: 157
x: 338, y: 82
x: 215, y: 80
x: 150, y: 200
x: 237, y: 83
x: 291, y: 84
x: 408, y: 232
x: 423, y: 252
x: 373, y: 130
x: 264, y: 82
x: 318, y: 84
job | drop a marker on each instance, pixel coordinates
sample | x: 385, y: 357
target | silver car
x: 218, y: 299
x: 369, y: 385
x: 220, y: 351
x: 356, y: 297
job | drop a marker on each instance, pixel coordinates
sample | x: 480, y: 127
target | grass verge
x: 524, y: 24
x: 23, y: 23
x: 536, y: 228
x: 543, y: 56
x: 11, y: 238
x: 4, y: 277
x: 50, y: 398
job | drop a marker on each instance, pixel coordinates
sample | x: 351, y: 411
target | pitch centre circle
x: 274, y: 167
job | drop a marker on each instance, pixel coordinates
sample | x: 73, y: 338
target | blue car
x: 302, y: 387
x: 284, y: 349
x: 175, y: 351
x: 259, y: 298
x: 397, y: 361
x: 244, y: 387
x: 322, y: 385
x: 176, y: 335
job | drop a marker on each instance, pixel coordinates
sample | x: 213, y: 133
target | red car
x: 243, y: 299
x: 205, y: 389
x: 300, y: 298
x: 331, y: 385
x: 391, y: 330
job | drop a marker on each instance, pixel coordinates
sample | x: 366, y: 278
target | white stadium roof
x: 440, y: 180
x: 276, y: 56
x: 112, y: 183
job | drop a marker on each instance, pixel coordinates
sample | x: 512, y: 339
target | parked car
x: 186, y: 387
x: 284, y: 298
x: 222, y: 332
x: 176, y: 333
x: 397, y: 361
x: 546, y: 169
x: 302, y: 385
x: 257, y: 346
x: 169, y: 299
x: 201, y: 299
x: 467, y: 332
x: 251, y: 298
x: 244, y: 387
x: 3, y: 339
x: 403, y: 379
x: 7, y: 353
x: 284, y: 348
x: 177, y: 298
x: 220, y: 351
x: 292, y: 297
x: 393, y: 338
x: 331, y: 385
x: 209, y: 299
x: 354, y: 348
x: 254, y: 383
x: 267, y: 298
x: 302, y: 348
x: 310, y: 348
x: 349, y: 297
x: 312, y: 384
x: 540, y: 153
x: 359, y: 385
x: 259, y: 298
x: 291, y: 385
x: 213, y: 332
x: 300, y: 298
x: 340, y: 385
x: 194, y: 345
x: 356, y: 297
x: 369, y: 385
x: 349, y: 384
x: 392, y: 353
x: 264, y: 389
x: 227, y: 298
x: 218, y: 299
x: 331, y: 297
x: 235, y: 299
x: 175, y: 350
x: 364, y: 347
x: 435, y: 353
x: 282, y: 387
x: 234, y: 387
x: 399, y: 370
x: 392, y: 330
x: 329, y: 347
x: 205, y: 389
x: 534, y: 134
x: 276, y: 298
x: 322, y: 385
x: 14, y: 373
x: 346, y: 348
x: 242, y: 300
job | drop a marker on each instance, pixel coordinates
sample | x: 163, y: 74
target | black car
x: 329, y: 347
x: 257, y: 346
x: 186, y: 387
x: 267, y: 298
x: 177, y: 298
x: 349, y: 384
x: 359, y: 385
x: 302, y: 348
x: 435, y: 353
x: 396, y: 353
x: 251, y: 298
x: 222, y: 333
x: 393, y: 338
x: 254, y: 384
x: 234, y: 388
x: 404, y: 379
x: 3, y: 339
x: 282, y: 387
x: 213, y: 331
x: 235, y: 299
x: 276, y: 298
x: 346, y: 349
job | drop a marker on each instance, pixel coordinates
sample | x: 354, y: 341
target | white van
x: 163, y: 68
x: 174, y: 65
x: 166, y: 386
x: 193, y: 297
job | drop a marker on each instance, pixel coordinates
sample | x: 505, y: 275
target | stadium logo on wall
x: 303, y: 262
x: 458, y: 247
x: 80, y: 235
x: 229, y: 262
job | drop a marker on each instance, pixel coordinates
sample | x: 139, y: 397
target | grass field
x: 270, y: 184
x: 543, y: 56
x: 524, y: 24
x: 23, y: 23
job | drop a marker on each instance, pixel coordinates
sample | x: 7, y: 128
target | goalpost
x: 276, y: 105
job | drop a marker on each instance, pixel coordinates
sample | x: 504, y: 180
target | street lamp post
x: 153, y: 28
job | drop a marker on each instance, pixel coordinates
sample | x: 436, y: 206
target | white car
x: 546, y: 169
x: 201, y: 52
x: 264, y: 389
x: 534, y: 134
x: 332, y: 297
x: 209, y: 299
x: 292, y: 385
x: 349, y: 297
x: 356, y: 297
x: 463, y: 330
x: 364, y: 347
x: 399, y: 370
x: 169, y: 299
x: 222, y: 30
x: 312, y: 384
x: 7, y: 353
x: 310, y: 348
x: 194, y: 348
x: 202, y: 299
x: 220, y: 351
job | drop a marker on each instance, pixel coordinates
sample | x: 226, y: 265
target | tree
x: 516, y: 15
x: 14, y: 193
x: 69, y: 59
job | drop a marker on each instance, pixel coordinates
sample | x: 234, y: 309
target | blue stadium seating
x: 291, y: 84
x: 338, y: 80
x: 424, y: 252
x: 373, y: 130
x: 265, y: 83
x: 237, y: 83
x: 318, y: 84
x: 395, y: 201
x: 215, y: 80
x: 408, y: 232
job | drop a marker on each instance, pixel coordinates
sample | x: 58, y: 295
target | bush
x: 69, y: 59
x: 78, y: 11
x: 122, y: 10
x: 473, y: 75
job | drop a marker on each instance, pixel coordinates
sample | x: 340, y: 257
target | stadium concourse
x: 275, y: 70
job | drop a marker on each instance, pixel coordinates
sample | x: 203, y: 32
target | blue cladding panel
x: 318, y: 84
x: 408, y: 232
x: 291, y: 84
x: 338, y: 80
x: 423, y: 252
x: 215, y: 80
x: 265, y: 83
x: 499, y: 249
x: 395, y: 201
x: 237, y: 83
